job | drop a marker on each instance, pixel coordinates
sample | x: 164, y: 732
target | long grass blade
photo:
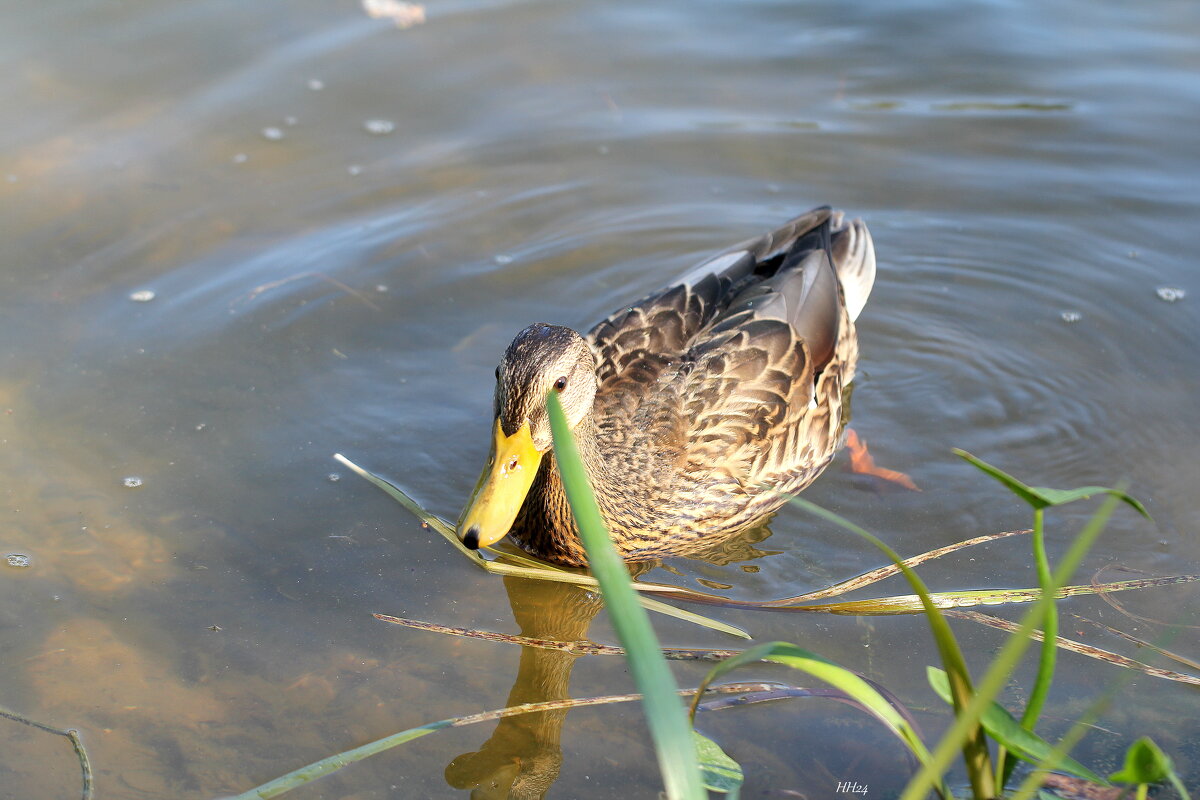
x: 834, y: 674
x: 1073, y: 646
x: 668, y: 726
x: 966, y: 598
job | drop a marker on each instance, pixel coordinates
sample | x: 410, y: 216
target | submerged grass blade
x: 668, y: 726
x: 1073, y: 646
x: 966, y: 598
x: 331, y: 764
x: 578, y: 648
x: 650, y: 604
x: 434, y: 522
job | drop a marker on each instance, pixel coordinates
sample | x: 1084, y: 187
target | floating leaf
x: 720, y: 772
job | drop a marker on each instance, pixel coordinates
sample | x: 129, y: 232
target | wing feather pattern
x: 741, y: 355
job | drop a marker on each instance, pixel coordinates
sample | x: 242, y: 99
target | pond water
x: 238, y: 238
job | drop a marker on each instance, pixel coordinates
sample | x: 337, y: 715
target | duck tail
x: 853, y: 255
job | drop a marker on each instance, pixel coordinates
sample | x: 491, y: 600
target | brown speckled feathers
x: 716, y: 397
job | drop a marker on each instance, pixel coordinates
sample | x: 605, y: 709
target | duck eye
x: 560, y: 384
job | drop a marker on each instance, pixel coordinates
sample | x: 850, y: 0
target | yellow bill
x: 501, y: 489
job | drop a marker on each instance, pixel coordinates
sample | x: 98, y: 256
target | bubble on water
x: 316, y: 84
x: 131, y: 482
x: 381, y: 287
x: 11, y: 178
x: 142, y: 295
x: 240, y: 158
x: 379, y: 127
x: 272, y: 134
x: 290, y: 121
x: 333, y: 477
x: 201, y: 426
x: 1071, y: 316
x: 18, y: 560
x: 354, y: 169
x: 502, y: 258
x: 1170, y: 294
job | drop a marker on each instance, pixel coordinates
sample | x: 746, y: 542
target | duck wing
x: 638, y: 343
x: 763, y: 395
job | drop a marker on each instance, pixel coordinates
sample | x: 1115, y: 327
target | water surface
x: 321, y: 284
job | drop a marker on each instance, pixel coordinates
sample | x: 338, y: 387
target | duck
x: 697, y: 410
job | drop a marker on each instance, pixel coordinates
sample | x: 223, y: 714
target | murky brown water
x: 323, y: 283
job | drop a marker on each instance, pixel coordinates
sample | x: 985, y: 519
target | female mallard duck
x: 697, y: 410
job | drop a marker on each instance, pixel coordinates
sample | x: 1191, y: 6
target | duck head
x: 541, y: 359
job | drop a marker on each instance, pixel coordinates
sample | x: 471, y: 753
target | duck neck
x: 549, y: 528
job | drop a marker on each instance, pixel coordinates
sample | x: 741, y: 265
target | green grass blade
x: 650, y: 604
x: 400, y: 497
x: 1048, y: 655
x: 319, y: 769
x: 331, y: 764
x: 1058, y: 497
x: 668, y: 725
x: 1005, y: 729
x: 1026, y: 493
x: 832, y: 673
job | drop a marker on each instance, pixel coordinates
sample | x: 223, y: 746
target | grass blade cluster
x: 970, y: 738
x: 1002, y: 727
x: 1006, y: 661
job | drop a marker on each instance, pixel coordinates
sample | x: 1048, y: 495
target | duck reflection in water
x: 522, y: 758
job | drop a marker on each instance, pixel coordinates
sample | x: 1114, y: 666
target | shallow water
x: 319, y: 287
